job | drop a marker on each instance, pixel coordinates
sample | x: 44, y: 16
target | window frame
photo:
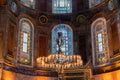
x: 61, y: 9
x: 26, y: 56
x: 68, y: 47
x: 100, y: 58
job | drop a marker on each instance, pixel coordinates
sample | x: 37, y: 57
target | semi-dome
x: 59, y: 39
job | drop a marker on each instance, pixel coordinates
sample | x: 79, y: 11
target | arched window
x: 93, y: 3
x: 99, y: 42
x: 61, y: 6
x: 29, y: 3
x: 25, y: 48
x: 67, y: 36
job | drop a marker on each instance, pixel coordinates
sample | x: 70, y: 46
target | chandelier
x: 60, y: 61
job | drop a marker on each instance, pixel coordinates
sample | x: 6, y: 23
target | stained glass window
x: 61, y: 6
x: 29, y: 3
x: 67, y: 36
x: 100, y: 42
x: 93, y: 3
x: 25, y: 42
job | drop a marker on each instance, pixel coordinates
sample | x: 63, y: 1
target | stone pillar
x: 118, y: 25
x: 3, y: 31
x: 118, y: 21
x: 110, y: 47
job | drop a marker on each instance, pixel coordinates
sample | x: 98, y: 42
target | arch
x: 100, y: 51
x: 25, y: 42
x: 67, y: 32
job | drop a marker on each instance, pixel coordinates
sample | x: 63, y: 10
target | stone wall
x: 115, y: 75
x: 7, y: 75
x: 1, y: 45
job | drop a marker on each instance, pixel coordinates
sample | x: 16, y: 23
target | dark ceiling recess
x: 2, y: 2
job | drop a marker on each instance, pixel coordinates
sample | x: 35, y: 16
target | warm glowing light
x: 60, y: 61
x: 115, y: 75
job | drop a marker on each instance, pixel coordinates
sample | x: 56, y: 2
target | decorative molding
x: 31, y: 72
x: 80, y: 18
x: 43, y: 19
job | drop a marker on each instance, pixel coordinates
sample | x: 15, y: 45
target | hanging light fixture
x: 60, y: 61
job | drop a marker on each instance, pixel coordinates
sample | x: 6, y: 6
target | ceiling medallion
x: 110, y: 5
x: 43, y: 19
x: 13, y: 7
x: 80, y: 18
